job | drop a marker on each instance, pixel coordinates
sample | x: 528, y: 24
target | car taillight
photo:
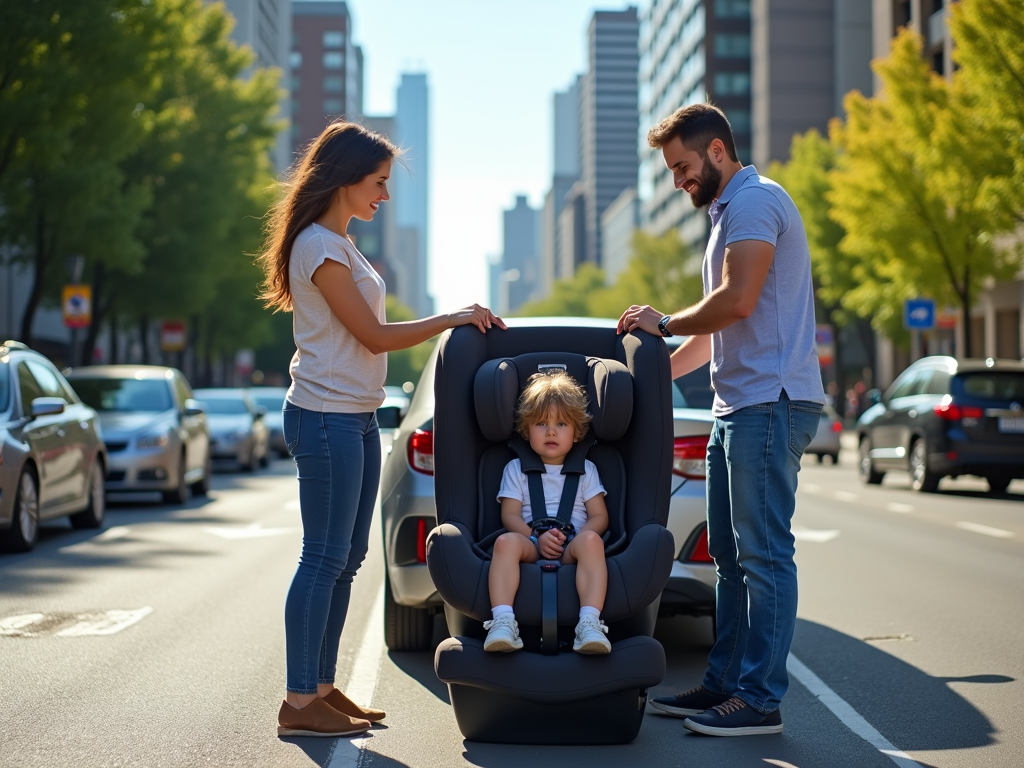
x: 689, y: 457
x: 700, y: 552
x: 954, y: 412
x: 421, y: 540
x: 837, y: 426
x: 421, y: 451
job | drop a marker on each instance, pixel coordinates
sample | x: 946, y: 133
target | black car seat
x: 545, y: 693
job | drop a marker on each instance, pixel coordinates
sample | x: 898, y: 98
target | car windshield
x: 694, y: 390
x: 1001, y: 386
x: 270, y: 402
x: 224, y: 405
x: 124, y: 394
x: 5, y: 385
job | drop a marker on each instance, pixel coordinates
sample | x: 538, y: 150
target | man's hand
x: 549, y: 544
x: 643, y: 317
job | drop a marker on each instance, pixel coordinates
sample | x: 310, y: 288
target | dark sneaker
x: 693, y: 702
x: 735, y: 718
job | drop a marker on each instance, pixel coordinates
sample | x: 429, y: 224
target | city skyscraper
x: 326, y: 68
x: 566, y: 172
x: 609, y: 118
x: 516, y: 277
x: 411, y: 185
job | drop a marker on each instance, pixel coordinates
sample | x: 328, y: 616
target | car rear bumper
x: 973, y: 463
x: 134, y: 470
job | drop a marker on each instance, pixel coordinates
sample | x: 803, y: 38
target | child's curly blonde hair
x: 559, y: 391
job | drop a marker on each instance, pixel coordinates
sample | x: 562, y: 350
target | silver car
x: 408, y: 515
x: 52, y: 458
x: 155, y: 433
x: 826, y: 441
x: 237, y: 431
x: 272, y: 400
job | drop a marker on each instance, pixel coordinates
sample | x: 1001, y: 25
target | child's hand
x: 550, y: 545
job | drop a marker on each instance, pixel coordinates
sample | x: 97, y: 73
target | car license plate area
x: 1011, y: 425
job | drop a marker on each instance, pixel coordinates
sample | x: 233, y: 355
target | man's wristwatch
x: 663, y: 325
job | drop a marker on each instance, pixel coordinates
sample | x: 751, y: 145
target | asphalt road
x: 159, y: 642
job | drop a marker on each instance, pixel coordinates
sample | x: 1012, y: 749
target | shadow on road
x: 912, y: 709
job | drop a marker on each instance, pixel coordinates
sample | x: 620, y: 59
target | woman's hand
x: 479, y: 316
x: 549, y: 544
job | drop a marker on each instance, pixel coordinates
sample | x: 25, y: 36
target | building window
x: 295, y: 59
x: 334, y: 39
x: 739, y: 119
x: 295, y: 83
x: 333, y: 60
x: 332, y: 106
x: 732, y: 84
x: 732, y: 9
x: 732, y: 46
x: 333, y: 84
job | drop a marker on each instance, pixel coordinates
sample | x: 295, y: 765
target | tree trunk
x: 965, y: 304
x: 144, y: 341
x: 99, y: 311
x: 112, y: 327
x: 43, y: 257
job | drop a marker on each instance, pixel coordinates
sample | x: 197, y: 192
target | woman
x: 341, y: 336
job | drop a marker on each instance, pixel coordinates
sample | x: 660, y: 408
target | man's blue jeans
x: 338, y: 460
x: 753, y: 460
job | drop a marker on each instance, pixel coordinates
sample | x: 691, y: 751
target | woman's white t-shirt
x: 331, y: 370
x: 515, y: 485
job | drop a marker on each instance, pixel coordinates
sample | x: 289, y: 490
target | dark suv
x: 945, y: 418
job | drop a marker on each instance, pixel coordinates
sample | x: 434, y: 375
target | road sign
x: 172, y: 336
x: 919, y: 314
x: 77, y: 306
x: 824, y: 339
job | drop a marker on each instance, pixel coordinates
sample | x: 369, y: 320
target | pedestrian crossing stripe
x: 94, y: 623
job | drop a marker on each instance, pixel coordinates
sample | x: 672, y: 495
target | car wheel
x: 265, y: 459
x: 249, y: 464
x: 998, y: 484
x: 178, y: 494
x: 821, y: 458
x: 405, y: 628
x: 202, y: 487
x: 835, y: 458
x: 868, y: 473
x: 92, y: 516
x: 921, y: 478
x: 24, y: 530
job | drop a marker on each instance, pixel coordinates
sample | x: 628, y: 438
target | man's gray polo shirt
x: 754, y: 359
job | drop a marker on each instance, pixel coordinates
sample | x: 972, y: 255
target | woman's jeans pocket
x: 804, y: 417
x: 292, y: 418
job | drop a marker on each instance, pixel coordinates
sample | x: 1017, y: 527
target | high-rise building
x: 692, y: 51
x: 618, y: 223
x: 609, y: 117
x: 411, y: 185
x: 326, y: 68
x: 377, y: 239
x: 519, y: 279
x: 572, y: 231
x: 566, y: 172
x: 926, y: 17
x: 265, y: 26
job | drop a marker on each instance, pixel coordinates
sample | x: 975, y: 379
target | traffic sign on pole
x: 76, y: 304
x: 919, y: 314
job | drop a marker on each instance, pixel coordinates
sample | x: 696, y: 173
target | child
x: 551, y: 415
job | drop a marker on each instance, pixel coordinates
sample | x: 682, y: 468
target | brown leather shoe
x: 346, y: 706
x: 317, y: 719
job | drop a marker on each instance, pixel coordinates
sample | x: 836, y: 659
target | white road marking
x: 13, y: 626
x: 293, y: 506
x: 362, y: 682
x: 809, y: 534
x: 109, y: 623
x: 778, y: 763
x: 903, y: 509
x: 810, y: 487
x: 847, y: 714
x: 845, y: 496
x: 253, y: 531
x: 111, y: 534
x: 985, y: 530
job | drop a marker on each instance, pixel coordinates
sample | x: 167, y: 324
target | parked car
x: 237, y: 430
x: 826, y: 440
x: 52, y: 458
x: 155, y: 433
x: 271, y: 399
x: 944, y: 417
x: 408, y: 515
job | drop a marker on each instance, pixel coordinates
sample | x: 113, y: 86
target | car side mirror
x: 193, y: 408
x: 389, y: 417
x: 47, y: 406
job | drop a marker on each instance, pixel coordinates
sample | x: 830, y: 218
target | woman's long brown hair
x: 344, y: 154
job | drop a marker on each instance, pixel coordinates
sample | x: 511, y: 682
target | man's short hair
x: 696, y: 126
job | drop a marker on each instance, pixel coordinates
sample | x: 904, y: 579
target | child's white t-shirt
x: 515, y: 485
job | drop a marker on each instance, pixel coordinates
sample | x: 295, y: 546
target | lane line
x: 845, y: 496
x: 362, y: 683
x: 985, y: 530
x: 14, y: 626
x: 817, y: 536
x: 896, y: 506
x: 110, y: 623
x: 847, y: 715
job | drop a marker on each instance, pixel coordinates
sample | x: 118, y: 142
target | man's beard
x: 707, y: 185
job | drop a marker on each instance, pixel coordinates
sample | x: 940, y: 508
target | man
x: 756, y: 326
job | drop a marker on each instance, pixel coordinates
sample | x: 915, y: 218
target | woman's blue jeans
x: 338, y: 460
x: 753, y: 460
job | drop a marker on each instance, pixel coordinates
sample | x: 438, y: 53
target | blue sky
x: 492, y: 67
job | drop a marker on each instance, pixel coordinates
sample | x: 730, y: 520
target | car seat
x: 545, y: 693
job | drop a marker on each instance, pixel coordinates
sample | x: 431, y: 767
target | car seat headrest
x: 608, y: 384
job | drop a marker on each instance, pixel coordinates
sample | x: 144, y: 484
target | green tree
x: 405, y: 364
x: 577, y: 296
x: 910, y: 230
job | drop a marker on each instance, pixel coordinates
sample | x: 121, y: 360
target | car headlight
x: 153, y: 441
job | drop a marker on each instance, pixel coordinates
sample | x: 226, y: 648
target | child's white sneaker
x: 502, y: 634
x: 590, y: 636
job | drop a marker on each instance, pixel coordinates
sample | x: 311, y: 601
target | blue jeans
x: 753, y: 460
x: 338, y: 460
